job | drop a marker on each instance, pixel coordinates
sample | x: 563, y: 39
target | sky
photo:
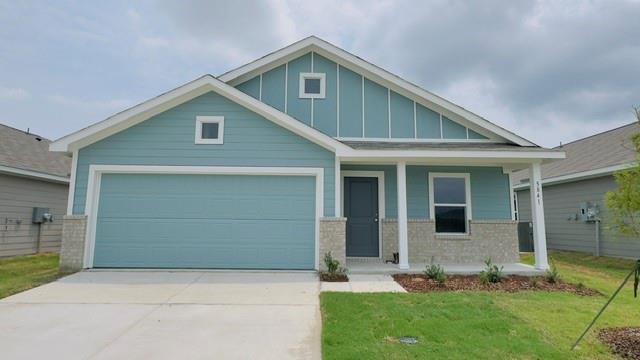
x: 550, y: 71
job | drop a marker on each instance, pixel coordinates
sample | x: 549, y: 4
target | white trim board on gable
x: 373, y: 72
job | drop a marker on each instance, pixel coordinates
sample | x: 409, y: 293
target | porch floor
x: 377, y: 266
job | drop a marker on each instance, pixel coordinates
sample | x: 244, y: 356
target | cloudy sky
x: 550, y: 71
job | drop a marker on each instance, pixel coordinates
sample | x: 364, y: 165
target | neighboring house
x: 580, y: 182
x: 307, y: 150
x: 30, y: 177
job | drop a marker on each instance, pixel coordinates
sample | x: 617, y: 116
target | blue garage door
x: 206, y: 221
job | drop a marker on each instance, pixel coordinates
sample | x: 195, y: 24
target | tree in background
x: 624, y: 202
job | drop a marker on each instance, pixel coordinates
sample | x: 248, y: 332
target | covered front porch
x: 398, y: 215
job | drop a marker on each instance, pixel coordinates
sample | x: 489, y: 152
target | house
x: 31, y: 177
x: 307, y: 150
x: 575, y: 214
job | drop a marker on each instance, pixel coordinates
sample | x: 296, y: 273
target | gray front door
x: 361, y: 211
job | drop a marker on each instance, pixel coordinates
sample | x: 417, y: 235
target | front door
x: 361, y: 211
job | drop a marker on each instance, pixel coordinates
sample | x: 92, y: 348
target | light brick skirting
x: 333, y: 235
x: 72, y: 249
x: 497, y: 239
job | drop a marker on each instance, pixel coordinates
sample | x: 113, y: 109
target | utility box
x: 588, y: 211
x: 41, y: 215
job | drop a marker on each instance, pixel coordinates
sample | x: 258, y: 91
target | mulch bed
x: 511, y: 283
x: 623, y: 341
x: 324, y: 276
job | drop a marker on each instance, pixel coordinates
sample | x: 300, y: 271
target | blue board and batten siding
x: 168, y: 139
x: 354, y: 106
x: 489, y: 189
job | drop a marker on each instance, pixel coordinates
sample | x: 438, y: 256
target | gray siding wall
x: 18, y: 197
x: 562, y: 202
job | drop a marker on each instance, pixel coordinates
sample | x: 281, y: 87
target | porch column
x: 537, y: 216
x: 403, y: 246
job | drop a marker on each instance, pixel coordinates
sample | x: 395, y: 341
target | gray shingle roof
x: 24, y: 151
x: 598, y: 151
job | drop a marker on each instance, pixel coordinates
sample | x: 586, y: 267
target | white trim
x: 582, y: 175
x: 337, y: 188
x: 503, y: 155
x: 389, y: 110
x: 467, y: 189
x: 415, y: 122
x: 311, y: 75
x: 95, y: 177
x: 381, y: 201
x: 362, y: 85
x: 372, y: 72
x: 72, y: 184
x: 537, y: 218
x: 514, y: 207
x: 467, y: 131
x: 260, y: 92
x: 200, y: 120
x: 403, y: 236
x: 33, y: 174
x: 441, y: 129
x: 286, y: 87
x: 207, y: 83
x: 337, y: 99
x: 412, y: 140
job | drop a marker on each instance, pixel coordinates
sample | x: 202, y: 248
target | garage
x: 217, y: 221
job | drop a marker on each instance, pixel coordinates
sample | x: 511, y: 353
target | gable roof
x: 26, y: 154
x: 204, y: 84
x: 355, y: 63
x: 596, y: 155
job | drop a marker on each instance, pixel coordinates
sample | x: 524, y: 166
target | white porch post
x: 537, y: 216
x: 403, y: 246
x: 338, y: 189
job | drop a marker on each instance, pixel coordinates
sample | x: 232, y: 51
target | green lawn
x: 25, y: 272
x: 524, y: 325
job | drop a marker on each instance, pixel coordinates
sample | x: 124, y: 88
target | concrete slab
x: 365, y: 283
x: 165, y: 315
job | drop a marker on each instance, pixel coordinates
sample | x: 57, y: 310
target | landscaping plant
x: 492, y: 273
x: 435, y: 272
x: 334, y: 271
x: 552, y: 275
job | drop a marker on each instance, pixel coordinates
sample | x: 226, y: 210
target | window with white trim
x: 450, y: 199
x: 209, y: 129
x: 312, y: 85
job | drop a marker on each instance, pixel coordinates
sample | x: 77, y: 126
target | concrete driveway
x: 165, y: 315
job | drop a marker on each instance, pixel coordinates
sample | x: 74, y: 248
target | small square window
x: 312, y: 85
x: 209, y: 129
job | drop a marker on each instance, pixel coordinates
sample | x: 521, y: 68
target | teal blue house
x: 307, y: 150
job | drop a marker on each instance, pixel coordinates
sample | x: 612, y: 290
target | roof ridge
x: 24, y: 132
x: 596, y: 134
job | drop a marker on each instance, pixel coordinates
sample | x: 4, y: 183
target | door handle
x: 375, y: 219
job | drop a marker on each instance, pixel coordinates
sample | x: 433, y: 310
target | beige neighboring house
x: 31, y: 177
x: 574, y: 188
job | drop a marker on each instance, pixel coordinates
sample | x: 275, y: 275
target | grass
x: 523, y: 325
x: 25, y: 272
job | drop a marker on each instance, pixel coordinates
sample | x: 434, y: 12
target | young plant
x: 435, y: 272
x: 333, y: 265
x: 492, y: 273
x: 552, y: 275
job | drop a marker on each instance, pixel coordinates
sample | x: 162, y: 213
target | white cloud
x: 14, y: 94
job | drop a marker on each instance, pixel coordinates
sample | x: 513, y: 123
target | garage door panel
x: 206, y: 221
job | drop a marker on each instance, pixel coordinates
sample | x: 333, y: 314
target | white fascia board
x: 33, y: 174
x: 374, y: 72
x: 520, y: 156
x: 583, y: 175
x: 145, y: 110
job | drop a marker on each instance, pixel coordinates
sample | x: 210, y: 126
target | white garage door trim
x: 95, y: 178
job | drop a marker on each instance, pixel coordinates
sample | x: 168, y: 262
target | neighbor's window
x: 450, y: 206
x: 312, y: 85
x: 209, y: 129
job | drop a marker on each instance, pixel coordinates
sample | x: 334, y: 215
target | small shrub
x: 435, y: 272
x: 580, y: 286
x: 492, y: 273
x: 333, y: 265
x: 534, y: 281
x: 552, y: 275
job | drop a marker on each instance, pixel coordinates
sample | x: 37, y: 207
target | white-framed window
x: 450, y: 202
x: 312, y: 85
x: 209, y: 129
